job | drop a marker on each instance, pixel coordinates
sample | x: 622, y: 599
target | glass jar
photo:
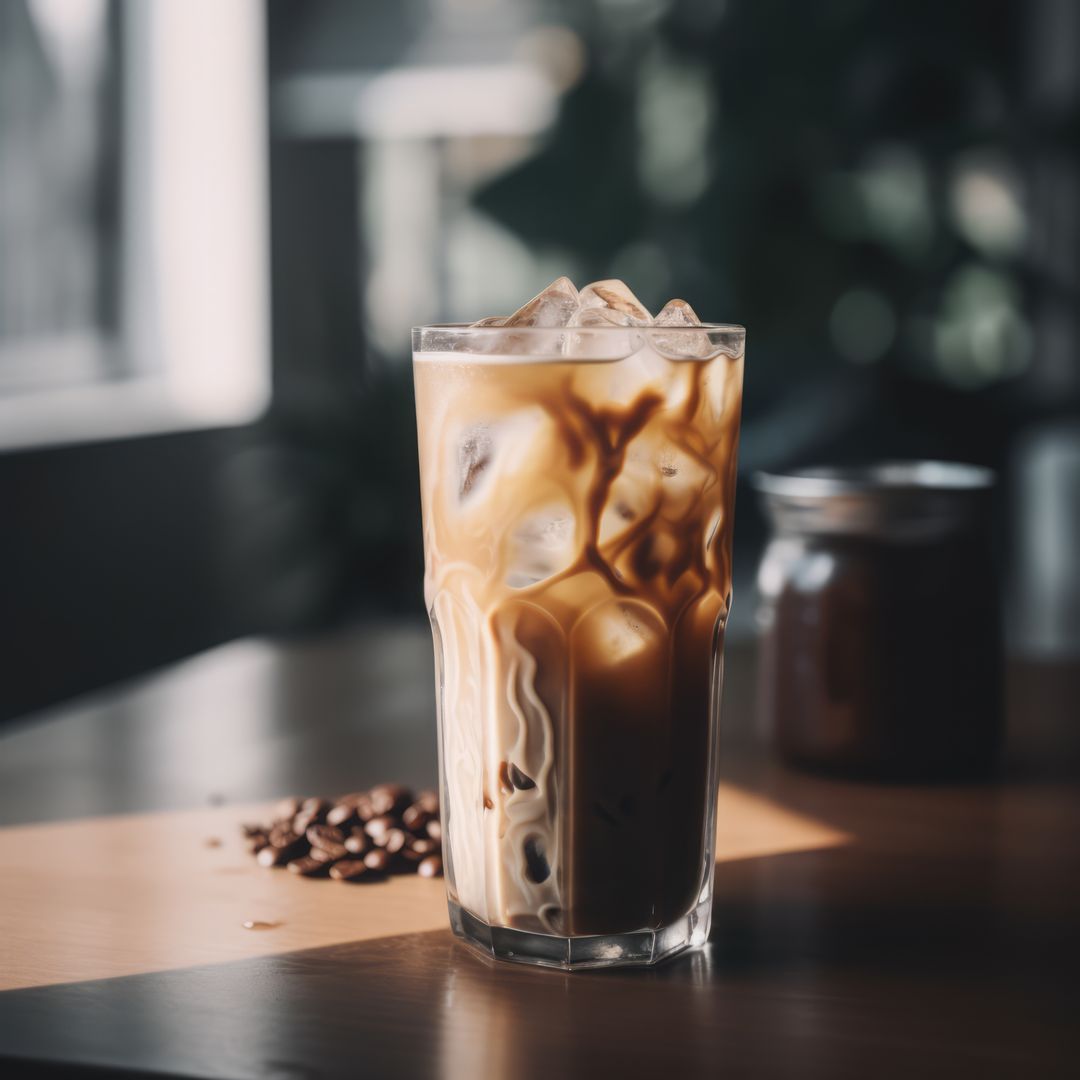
x: 881, y: 640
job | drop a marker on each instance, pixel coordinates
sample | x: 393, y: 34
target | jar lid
x: 893, y: 500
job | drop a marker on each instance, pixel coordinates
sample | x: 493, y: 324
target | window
x: 133, y: 252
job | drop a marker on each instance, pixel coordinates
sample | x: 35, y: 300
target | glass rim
x: 725, y: 328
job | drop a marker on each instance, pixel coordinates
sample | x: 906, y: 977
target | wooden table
x: 859, y: 930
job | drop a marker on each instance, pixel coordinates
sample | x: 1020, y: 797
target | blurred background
x: 219, y: 220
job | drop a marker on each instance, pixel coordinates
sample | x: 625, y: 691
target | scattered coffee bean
x: 415, y: 818
x: 351, y: 870
x: 360, y: 836
x: 316, y: 806
x: 272, y: 856
x: 393, y: 841
x: 389, y: 798
x: 325, y: 836
x: 377, y: 859
x: 282, y: 836
x: 342, y: 815
x: 358, y: 842
x: 520, y: 780
x: 378, y: 827
x: 488, y: 804
x: 283, y: 839
x: 307, y: 866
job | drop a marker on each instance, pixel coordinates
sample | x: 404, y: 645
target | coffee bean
x: 430, y: 867
x: 342, y: 815
x: 488, y: 804
x: 520, y: 780
x: 317, y: 807
x: 282, y: 836
x: 389, y: 798
x: 416, y: 818
x: 284, y: 841
x: 352, y: 870
x: 378, y: 860
x: 307, y: 867
x: 327, y: 839
x: 393, y: 841
x: 378, y: 827
x: 360, y: 836
x: 358, y: 842
x: 364, y: 810
x: 272, y: 856
x: 324, y: 836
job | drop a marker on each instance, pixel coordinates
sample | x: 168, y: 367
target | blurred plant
x: 826, y: 173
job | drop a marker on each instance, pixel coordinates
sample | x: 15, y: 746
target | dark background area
x: 887, y: 196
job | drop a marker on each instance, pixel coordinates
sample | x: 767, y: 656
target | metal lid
x: 895, y: 500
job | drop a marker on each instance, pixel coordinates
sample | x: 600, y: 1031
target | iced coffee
x: 577, y: 464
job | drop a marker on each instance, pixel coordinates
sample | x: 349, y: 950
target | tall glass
x: 578, y: 489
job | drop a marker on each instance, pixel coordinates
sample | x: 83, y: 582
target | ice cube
x: 673, y: 474
x: 475, y: 450
x: 620, y: 632
x: 552, y: 307
x: 677, y: 313
x: 601, y: 317
x: 543, y: 544
x: 612, y: 295
x: 684, y: 475
x: 684, y: 344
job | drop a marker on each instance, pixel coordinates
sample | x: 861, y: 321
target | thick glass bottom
x: 640, y: 948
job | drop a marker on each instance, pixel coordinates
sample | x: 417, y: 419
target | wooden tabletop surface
x: 859, y: 930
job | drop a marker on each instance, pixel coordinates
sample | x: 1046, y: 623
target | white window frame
x: 194, y: 283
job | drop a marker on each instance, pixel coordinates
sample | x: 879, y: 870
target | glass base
x: 640, y: 948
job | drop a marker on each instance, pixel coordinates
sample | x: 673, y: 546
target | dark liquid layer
x: 637, y: 755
